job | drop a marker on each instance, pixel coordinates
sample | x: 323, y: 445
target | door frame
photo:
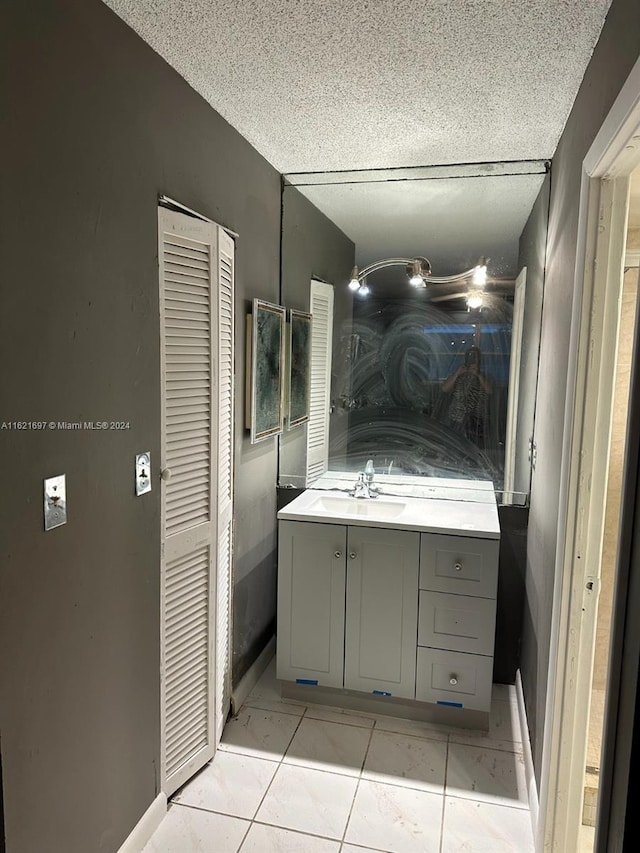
x: 613, y: 155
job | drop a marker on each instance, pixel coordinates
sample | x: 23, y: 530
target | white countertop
x: 476, y: 518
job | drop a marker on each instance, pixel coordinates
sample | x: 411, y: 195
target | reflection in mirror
x: 437, y: 380
x: 299, y: 367
x: 424, y: 389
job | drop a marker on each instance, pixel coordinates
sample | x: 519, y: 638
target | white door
x: 321, y: 308
x: 226, y: 279
x: 382, y: 611
x: 196, y: 442
x: 311, y: 566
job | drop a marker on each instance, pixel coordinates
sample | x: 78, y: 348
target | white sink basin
x: 429, y: 515
x: 372, y: 508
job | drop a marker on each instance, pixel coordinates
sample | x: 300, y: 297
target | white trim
x: 590, y: 372
x: 614, y: 151
x: 252, y: 676
x: 172, y: 204
x: 529, y: 771
x: 141, y: 833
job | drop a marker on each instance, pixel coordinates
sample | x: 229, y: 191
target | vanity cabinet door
x: 311, y: 584
x: 382, y: 611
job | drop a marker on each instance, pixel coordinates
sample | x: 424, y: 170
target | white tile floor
x: 291, y: 778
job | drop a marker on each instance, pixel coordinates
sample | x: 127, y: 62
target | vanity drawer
x: 458, y: 564
x: 461, y: 623
x: 454, y: 678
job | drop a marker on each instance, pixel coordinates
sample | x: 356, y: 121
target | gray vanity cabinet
x: 396, y: 613
x: 311, y: 594
x: 326, y: 571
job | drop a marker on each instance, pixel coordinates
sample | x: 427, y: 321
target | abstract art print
x: 267, y: 358
x: 299, y: 367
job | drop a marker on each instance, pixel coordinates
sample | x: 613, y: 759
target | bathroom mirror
x: 425, y: 381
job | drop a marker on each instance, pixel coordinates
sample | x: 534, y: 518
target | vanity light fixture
x: 419, y: 272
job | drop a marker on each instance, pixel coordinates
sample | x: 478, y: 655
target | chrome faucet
x: 369, y: 471
x: 363, y: 487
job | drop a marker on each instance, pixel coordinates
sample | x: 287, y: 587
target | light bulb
x: 474, y: 301
x: 363, y: 290
x: 354, y: 284
x: 480, y: 273
x: 415, y: 273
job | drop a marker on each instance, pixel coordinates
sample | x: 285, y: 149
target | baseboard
x: 146, y: 826
x: 252, y: 675
x: 392, y: 706
x: 532, y: 788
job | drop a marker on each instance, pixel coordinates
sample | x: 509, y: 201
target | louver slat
x: 318, y: 425
x: 188, y: 366
x: 187, y: 732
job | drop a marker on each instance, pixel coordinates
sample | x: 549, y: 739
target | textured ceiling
x: 348, y: 84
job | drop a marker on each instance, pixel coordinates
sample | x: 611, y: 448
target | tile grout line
x: 304, y: 832
x: 359, y: 779
x: 279, y: 763
x: 444, y: 793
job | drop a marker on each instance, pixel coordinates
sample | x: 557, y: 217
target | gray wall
x: 612, y: 60
x: 532, y: 255
x: 98, y: 126
x: 312, y: 247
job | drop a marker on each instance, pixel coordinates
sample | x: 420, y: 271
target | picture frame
x: 266, y: 336
x: 299, y: 367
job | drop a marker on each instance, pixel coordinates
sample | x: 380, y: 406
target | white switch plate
x: 143, y: 473
x: 55, y: 502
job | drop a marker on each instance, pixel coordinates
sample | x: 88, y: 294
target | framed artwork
x: 266, y: 331
x: 299, y: 367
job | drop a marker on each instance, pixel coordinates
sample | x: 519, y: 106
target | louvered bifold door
x: 226, y: 250
x: 188, y: 326
x: 320, y: 391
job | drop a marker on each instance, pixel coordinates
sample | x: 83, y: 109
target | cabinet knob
x: 458, y: 567
x: 453, y: 679
x: 352, y: 555
x: 165, y: 474
x: 337, y: 554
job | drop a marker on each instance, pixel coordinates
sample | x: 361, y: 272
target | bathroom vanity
x: 390, y: 600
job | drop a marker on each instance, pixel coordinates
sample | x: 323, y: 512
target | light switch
x: 143, y: 473
x: 55, y: 502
